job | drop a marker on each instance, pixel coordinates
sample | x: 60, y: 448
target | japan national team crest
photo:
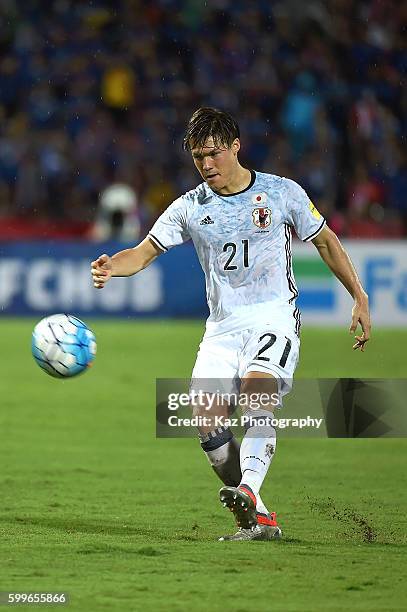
x: 261, y: 217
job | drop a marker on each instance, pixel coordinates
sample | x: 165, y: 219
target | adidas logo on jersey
x: 206, y: 221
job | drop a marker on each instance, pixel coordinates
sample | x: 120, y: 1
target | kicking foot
x: 252, y: 525
x: 242, y: 502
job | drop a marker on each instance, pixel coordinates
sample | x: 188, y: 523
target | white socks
x: 257, y: 450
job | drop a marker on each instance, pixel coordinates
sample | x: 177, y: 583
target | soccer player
x: 240, y: 222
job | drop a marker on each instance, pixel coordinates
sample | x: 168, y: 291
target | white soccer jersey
x: 243, y: 243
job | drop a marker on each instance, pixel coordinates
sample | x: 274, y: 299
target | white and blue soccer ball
x: 63, y: 346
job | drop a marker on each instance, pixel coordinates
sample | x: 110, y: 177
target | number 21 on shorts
x: 270, y: 352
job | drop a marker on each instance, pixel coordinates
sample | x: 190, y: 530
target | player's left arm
x: 335, y: 256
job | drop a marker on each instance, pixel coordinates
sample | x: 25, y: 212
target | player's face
x: 216, y: 165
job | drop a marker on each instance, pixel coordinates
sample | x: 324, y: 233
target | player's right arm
x: 169, y: 230
x: 123, y: 263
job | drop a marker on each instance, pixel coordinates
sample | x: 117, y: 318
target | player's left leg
x: 259, y: 442
x: 216, y: 369
x: 268, y: 364
x: 256, y: 453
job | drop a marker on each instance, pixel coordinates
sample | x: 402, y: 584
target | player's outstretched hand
x: 101, y: 270
x: 360, y: 314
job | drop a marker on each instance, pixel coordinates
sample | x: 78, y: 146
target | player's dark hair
x: 209, y: 122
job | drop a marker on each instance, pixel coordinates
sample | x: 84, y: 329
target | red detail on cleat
x: 269, y: 519
x: 249, y: 493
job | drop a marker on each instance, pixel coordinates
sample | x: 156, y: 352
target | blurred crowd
x: 97, y: 93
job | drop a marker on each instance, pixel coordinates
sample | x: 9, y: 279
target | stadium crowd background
x: 99, y: 92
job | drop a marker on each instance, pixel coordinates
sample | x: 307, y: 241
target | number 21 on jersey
x: 236, y: 259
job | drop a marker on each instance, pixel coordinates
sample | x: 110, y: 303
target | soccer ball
x: 63, y: 346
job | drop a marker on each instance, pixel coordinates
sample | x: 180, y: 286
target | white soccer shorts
x: 223, y: 360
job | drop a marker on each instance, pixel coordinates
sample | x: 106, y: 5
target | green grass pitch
x: 94, y: 505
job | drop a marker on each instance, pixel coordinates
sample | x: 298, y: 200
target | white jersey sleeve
x: 170, y: 229
x: 301, y: 212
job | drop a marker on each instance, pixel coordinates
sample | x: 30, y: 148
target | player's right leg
x: 214, y: 374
